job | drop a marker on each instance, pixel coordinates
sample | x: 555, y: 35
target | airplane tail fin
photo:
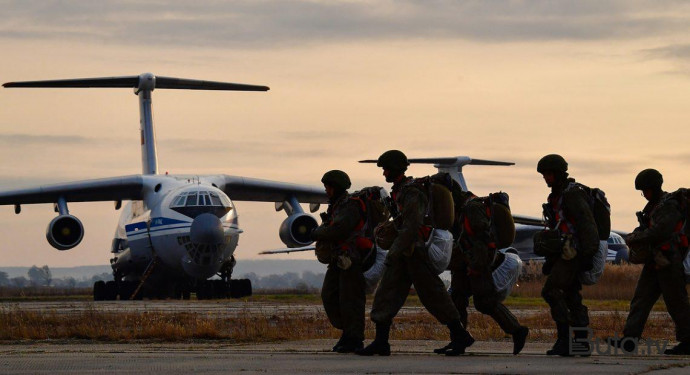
x: 143, y: 86
x: 452, y: 165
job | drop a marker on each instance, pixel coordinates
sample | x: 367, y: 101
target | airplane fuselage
x: 161, y: 226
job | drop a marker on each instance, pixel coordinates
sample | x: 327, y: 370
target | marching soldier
x: 471, y: 269
x: 343, y: 290
x: 408, y: 264
x: 658, y: 243
x: 570, y: 216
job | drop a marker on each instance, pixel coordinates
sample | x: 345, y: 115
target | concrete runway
x: 228, y: 307
x: 311, y: 357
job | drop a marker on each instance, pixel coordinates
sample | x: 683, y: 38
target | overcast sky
x: 604, y: 83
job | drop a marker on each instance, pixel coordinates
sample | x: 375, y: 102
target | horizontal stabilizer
x: 529, y: 220
x: 193, y: 84
x: 449, y: 161
x: 129, y: 82
x: 288, y: 250
x: 136, y: 82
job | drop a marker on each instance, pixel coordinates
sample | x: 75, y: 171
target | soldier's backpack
x: 501, y: 221
x: 441, y: 209
x: 682, y: 195
x: 375, y: 211
x: 601, y: 209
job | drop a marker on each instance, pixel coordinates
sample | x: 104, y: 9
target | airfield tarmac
x: 408, y: 357
x: 306, y: 356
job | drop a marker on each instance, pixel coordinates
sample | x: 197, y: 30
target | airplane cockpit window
x: 191, y: 200
x: 194, y: 203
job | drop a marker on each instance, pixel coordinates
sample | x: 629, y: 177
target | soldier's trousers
x: 401, y: 273
x: 483, y: 290
x: 343, y: 296
x: 668, y: 282
x: 562, y: 292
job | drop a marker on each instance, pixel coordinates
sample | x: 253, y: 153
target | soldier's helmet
x: 337, y: 179
x: 552, y: 163
x: 649, y: 179
x: 393, y: 160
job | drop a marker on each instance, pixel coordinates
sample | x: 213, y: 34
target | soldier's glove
x: 630, y: 239
x: 344, y: 262
x: 660, y: 260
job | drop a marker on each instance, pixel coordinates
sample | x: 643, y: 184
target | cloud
x: 283, y: 24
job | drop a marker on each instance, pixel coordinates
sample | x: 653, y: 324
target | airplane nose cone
x: 207, y: 229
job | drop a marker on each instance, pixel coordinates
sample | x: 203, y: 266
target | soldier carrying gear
x: 343, y: 290
x: 570, y: 215
x: 471, y: 268
x: 659, y: 234
x: 408, y: 264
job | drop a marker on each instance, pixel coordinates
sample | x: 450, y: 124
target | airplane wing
x: 288, y: 250
x: 105, y: 189
x: 253, y: 189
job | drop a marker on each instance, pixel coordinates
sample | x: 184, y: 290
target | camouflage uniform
x: 408, y: 264
x: 479, y: 256
x: 562, y: 287
x: 661, y: 217
x: 343, y: 291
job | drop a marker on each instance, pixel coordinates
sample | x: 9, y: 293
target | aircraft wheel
x: 126, y: 289
x: 110, y: 291
x: 204, y: 290
x: 246, y: 287
x: 99, y: 290
x: 220, y: 289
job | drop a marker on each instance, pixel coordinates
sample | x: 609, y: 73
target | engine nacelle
x: 294, y: 231
x: 64, y: 232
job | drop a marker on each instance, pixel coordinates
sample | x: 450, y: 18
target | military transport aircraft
x: 175, y: 232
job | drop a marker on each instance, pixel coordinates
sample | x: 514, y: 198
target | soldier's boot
x: 380, y: 344
x: 519, y: 338
x: 626, y: 343
x: 560, y: 347
x: 350, y: 345
x: 460, y: 339
x: 340, y: 342
x: 442, y: 350
x: 463, y: 321
x: 682, y: 348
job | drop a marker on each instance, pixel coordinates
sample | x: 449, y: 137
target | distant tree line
x: 307, y: 282
x: 43, y: 277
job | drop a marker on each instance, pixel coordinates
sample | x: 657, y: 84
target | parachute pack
x: 445, y: 203
x: 441, y: 210
x: 601, y: 209
x: 682, y: 195
x: 501, y: 220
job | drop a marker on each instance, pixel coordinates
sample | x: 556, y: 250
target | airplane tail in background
x: 452, y: 165
x: 143, y: 85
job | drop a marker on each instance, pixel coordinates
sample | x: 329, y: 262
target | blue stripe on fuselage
x: 155, y: 222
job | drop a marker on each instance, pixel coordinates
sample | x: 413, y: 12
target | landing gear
x: 214, y: 289
x: 99, y: 290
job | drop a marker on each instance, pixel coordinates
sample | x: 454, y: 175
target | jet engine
x: 64, y: 232
x: 294, y: 231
